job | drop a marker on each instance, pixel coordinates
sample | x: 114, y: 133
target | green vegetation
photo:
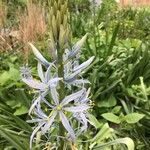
x: 119, y: 38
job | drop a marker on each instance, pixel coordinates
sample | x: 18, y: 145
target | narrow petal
x: 67, y: 125
x: 67, y: 67
x: 47, y: 103
x: 35, y: 84
x: 40, y: 98
x: 85, y: 121
x: 39, y: 55
x: 25, y: 72
x: 53, y: 82
x: 33, y: 134
x: 48, y: 75
x: 54, y: 95
x: 84, y: 98
x: 71, y: 77
x: 39, y: 112
x: 71, y: 97
x: 84, y: 65
x: 75, y: 64
x: 40, y: 72
x: 80, y: 108
x: 34, y: 120
x: 65, y: 56
x: 49, y: 122
x: 34, y: 104
x: 76, y: 48
x: 81, y: 81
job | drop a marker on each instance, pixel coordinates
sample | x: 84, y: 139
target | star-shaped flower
x: 47, y: 80
x: 59, y: 108
x: 72, y: 69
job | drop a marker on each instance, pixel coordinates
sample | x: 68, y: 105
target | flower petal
x: 84, y: 98
x: 25, y: 72
x: 71, y: 77
x: 39, y: 55
x: 34, y: 104
x: 49, y: 122
x: 54, y: 95
x: 80, y: 108
x: 76, y: 48
x: 67, y: 125
x: 40, y: 98
x: 40, y: 72
x: 85, y: 121
x: 34, y: 120
x: 39, y: 112
x: 53, y: 82
x: 80, y: 81
x: 71, y: 97
x: 84, y: 65
x: 33, y: 134
x: 35, y: 84
x: 48, y: 75
x: 47, y: 103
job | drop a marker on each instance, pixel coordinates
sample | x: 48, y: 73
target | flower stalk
x: 53, y: 102
x: 59, y: 27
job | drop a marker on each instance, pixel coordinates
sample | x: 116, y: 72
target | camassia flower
x: 82, y: 116
x: 72, y: 108
x: 25, y: 72
x: 60, y: 108
x: 47, y: 80
x: 72, y: 70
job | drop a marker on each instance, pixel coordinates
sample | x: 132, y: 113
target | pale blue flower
x: 25, y: 72
x: 47, y: 80
x: 75, y: 105
x: 39, y: 56
x: 42, y: 119
x: 77, y: 47
x: 82, y: 116
x: 60, y: 108
x: 72, y: 70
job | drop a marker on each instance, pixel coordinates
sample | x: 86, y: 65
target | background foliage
x: 119, y: 76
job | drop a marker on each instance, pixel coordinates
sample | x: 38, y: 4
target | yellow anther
x: 59, y: 107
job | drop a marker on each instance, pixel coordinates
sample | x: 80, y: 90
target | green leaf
x: 4, y: 77
x: 113, y: 39
x: 12, y: 139
x: 116, y: 110
x: 15, y: 75
x: 19, y: 122
x: 110, y: 102
x: 127, y: 141
x: 21, y: 110
x: 133, y: 117
x: 103, y: 134
x: 111, y: 117
x: 93, y: 121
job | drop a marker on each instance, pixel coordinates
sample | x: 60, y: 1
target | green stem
x: 61, y: 89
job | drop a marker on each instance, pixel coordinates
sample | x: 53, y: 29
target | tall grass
x: 32, y: 24
x: 3, y: 14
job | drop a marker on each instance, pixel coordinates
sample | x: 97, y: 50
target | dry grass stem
x: 3, y: 14
x: 32, y: 25
x: 134, y: 2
